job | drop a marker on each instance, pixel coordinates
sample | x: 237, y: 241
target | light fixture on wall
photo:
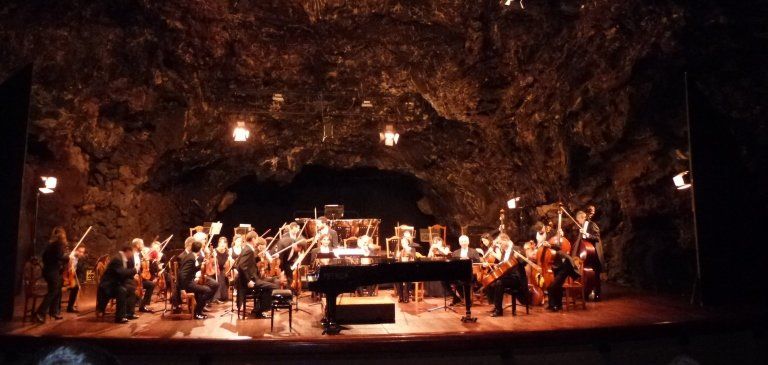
x: 682, y: 180
x: 389, y: 136
x: 366, y: 104
x: 278, y: 98
x: 241, y: 132
x: 49, y: 184
x: 513, y: 203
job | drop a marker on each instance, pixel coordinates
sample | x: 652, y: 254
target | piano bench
x: 282, y: 299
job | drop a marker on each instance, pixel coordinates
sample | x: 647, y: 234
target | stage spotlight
x: 513, y: 203
x: 389, y: 136
x: 278, y: 98
x: 367, y: 104
x: 241, y: 133
x: 682, y: 180
x: 49, y: 184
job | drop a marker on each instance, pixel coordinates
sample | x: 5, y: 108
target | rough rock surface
x: 134, y: 102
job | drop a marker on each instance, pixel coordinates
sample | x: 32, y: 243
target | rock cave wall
x: 134, y: 102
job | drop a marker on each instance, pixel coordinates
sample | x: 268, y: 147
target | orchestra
x: 533, y: 271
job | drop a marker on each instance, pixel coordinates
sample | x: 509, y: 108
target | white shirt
x: 136, y: 261
x: 125, y: 260
x: 507, y: 254
x: 540, y: 237
x: 464, y: 253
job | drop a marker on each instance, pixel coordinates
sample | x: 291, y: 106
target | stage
x: 627, y: 315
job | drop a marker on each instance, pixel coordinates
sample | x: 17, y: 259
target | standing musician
x: 248, y: 278
x: 514, y: 278
x: 438, y: 248
x: 323, y: 228
x: 119, y: 270
x: 463, y: 253
x: 288, y: 256
x: 142, y: 261
x: 589, y: 232
x: 54, y: 259
x: 77, y: 260
x: 189, y: 263
x: 222, y: 257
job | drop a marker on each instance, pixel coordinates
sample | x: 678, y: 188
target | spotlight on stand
x: 682, y: 180
x: 241, y: 133
x: 49, y: 185
x: 389, y: 136
x: 513, y: 203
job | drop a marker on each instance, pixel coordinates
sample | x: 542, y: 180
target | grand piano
x: 342, y: 276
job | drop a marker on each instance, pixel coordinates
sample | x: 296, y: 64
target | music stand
x: 333, y: 211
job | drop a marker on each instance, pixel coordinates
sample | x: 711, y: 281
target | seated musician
x: 405, y: 254
x: 366, y: 244
x: 205, y: 255
x: 487, y: 245
x: 562, y: 268
x: 249, y: 279
x: 438, y: 248
x: 324, y: 247
x: 463, y: 253
x: 141, y: 256
x: 323, y: 227
x: 112, y: 285
x: 157, y: 264
x: 189, y: 264
x: 513, y: 279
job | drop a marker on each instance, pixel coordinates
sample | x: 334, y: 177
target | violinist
x: 141, y: 261
x: 222, y: 256
x: 323, y: 227
x: 325, y: 248
x: 119, y: 270
x: 207, y: 269
x: 463, y: 253
x: 438, y: 248
x: 76, y: 260
x: 514, y: 279
x: 406, y: 253
x: 156, y: 265
x: 189, y: 262
x: 366, y: 244
x: 54, y: 259
x: 248, y: 278
x: 589, y: 232
x: 288, y: 256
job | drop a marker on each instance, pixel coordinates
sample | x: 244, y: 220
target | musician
x: 463, y: 253
x: 324, y: 248
x: 248, y: 278
x: 438, y: 248
x: 77, y: 260
x: 405, y: 254
x: 589, y: 232
x: 156, y: 264
x: 119, y: 270
x: 288, y: 256
x: 141, y: 260
x: 487, y: 245
x: 323, y: 227
x: 189, y: 263
x: 205, y: 255
x: 562, y: 268
x: 54, y: 260
x: 366, y: 244
x: 515, y: 278
x: 222, y: 256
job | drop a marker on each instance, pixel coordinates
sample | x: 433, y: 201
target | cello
x: 545, y: 255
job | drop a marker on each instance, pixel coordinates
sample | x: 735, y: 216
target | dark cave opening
x: 364, y: 192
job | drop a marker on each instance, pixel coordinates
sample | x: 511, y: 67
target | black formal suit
x: 54, y: 260
x: 248, y: 271
x: 562, y: 268
x: 288, y: 255
x: 80, y: 274
x: 189, y: 264
x: 113, y: 285
x: 514, y: 279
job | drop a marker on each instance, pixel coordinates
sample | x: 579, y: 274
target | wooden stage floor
x: 622, y: 308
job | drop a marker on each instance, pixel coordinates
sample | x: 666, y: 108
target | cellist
x: 514, y: 278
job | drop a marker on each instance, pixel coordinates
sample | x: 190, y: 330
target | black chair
x: 515, y: 294
x: 247, y: 294
x: 282, y: 299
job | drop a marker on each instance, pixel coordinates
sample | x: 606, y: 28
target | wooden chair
x: 187, y: 299
x: 573, y: 290
x: 418, y: 291
x: 34, y: 287
x: 437, y: 231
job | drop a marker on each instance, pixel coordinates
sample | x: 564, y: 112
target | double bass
x: 545, y: 255
x: 585, y: 257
